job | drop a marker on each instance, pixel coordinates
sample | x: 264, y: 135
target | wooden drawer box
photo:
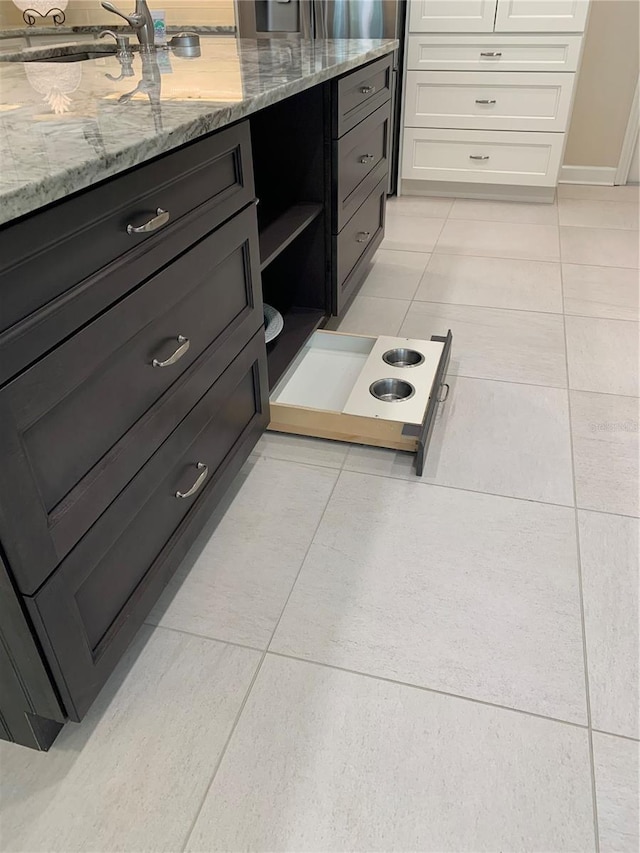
x: 356, y: 244
x: 488, y: 100
x: 362, y: 161
x: 90, y: 609
x: 493, y: 53
x: 77, y: 425
x: 88, y: 231
x: 480, y: 156
x: 328, y: 391
x: 360, y: 93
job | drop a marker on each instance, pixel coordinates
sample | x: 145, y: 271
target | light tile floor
x: 353, y: 659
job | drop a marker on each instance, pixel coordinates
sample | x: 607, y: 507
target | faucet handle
x: 134, y: 19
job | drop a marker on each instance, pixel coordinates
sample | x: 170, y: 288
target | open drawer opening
x: 381, y: 391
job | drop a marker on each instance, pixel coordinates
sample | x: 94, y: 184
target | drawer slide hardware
x: 444, y: 396
x: 363, y: 236
x: 198, y: 483
x: 185, y: 343
x: 367, y: 158
x: 161, y: 218
x: 485, y: 101
x: 491, y: 53
x: 478, y: 156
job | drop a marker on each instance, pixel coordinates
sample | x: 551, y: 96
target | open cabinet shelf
x: 282, y: 231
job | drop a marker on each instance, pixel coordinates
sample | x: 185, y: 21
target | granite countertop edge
x: 25, y: 199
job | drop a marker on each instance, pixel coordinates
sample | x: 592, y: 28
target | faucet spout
x: 140, y: 20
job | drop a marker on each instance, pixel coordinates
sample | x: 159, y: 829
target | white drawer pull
x: 485, y: 101
x: 198, y: 483
x: 185, y: 343
x: 491, y: 53
x: 478, y: 156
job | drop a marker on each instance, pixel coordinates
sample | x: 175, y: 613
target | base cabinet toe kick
x: 135, y: 378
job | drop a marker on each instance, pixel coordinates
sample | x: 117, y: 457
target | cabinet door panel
x: 89, y: 610
x: 569, y: 16
x: 452, y: 16
x: 78, y: 425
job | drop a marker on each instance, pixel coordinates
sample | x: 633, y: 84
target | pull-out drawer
x: 362, y: 160
x: 89, y: 610
x: 356, y: 244
x: 493, y: 53
x: 82, y: 234
x: 380, y: 391
x: 76, y: 426
x: 480, y: 156
x: 491, y: 101
x: 360, y: 93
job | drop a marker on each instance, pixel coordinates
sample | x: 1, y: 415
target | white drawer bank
x: 489, y: 88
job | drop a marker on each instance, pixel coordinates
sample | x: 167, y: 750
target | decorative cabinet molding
x: 452, y: 16
x: 527, y: 16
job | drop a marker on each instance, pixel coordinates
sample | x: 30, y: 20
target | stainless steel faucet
x: 140, y: 20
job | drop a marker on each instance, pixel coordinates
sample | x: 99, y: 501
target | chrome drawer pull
x: 185, y: 343
x: 367, y: 158
x: 363, y: 236
x: 478, y: 156
x: 367, y: 90
x: 198, y: 483
x: 490, y: 53
x: 161, y: 218
x: 484, y: 101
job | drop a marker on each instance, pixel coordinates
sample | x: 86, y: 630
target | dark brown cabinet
x: 134, y: 372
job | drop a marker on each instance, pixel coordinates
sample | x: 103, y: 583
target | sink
x: 67, y: 54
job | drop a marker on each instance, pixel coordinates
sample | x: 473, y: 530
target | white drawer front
x: 451, y: 16
x: 542, y: 16
x: 491, y: 100
x: 493, y: 53
x: 526, y: 159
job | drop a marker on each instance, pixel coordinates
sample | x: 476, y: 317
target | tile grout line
x: 243, y: 704
x: 515, y: 310
x: 417, y: 686
x: 425, y: 689
x: 594, y: 798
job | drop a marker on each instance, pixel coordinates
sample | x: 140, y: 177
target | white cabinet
x: 488, y: 100
x: 541, y: 16
x: 488, y: 93
x: 452, y: 16
x: 490, y: 53
x: 482, y: 157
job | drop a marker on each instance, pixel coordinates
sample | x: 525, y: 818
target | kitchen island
x: 148, y: 205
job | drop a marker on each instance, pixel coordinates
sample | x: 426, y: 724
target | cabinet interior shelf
x: 276, y: 236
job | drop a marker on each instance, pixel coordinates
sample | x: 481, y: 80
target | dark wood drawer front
x: 89, y: 610
x: 361, y: 230
x: 84, y: 233
x: 362, y: 158
x: 79, y: 423
x: 362, y: 92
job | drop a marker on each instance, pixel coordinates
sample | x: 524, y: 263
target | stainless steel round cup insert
x: 392, y: 390
x: 403, y: 357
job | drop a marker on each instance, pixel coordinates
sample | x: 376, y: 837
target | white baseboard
x: 603, y: 175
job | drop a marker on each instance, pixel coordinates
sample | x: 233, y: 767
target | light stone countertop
x: 66, y: 126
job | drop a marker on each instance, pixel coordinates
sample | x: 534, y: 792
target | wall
x: 606, y: 84
x: 179, y: 12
